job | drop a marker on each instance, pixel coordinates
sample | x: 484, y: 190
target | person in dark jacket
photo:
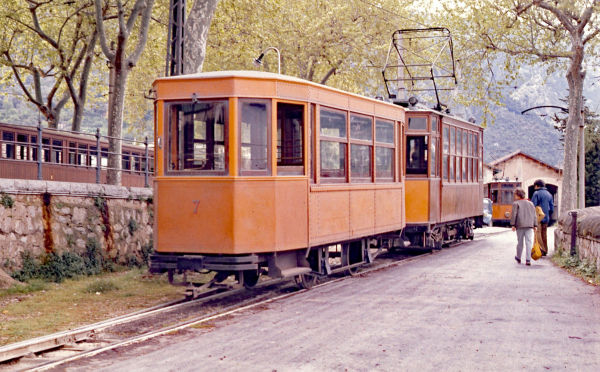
x: 543, y: 199
x: 523, y: 220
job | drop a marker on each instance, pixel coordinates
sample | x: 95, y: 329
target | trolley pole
x: 146, y: 166
x: 98, y: 157
x: 39, y: 152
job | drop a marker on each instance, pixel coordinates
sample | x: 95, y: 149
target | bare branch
x: 101, y: 33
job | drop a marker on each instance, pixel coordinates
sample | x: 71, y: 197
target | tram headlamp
x: 258, y: 61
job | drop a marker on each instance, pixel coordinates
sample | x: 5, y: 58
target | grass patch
x: 576, y: 266
x: 101, y: 286
x: 39, y: 308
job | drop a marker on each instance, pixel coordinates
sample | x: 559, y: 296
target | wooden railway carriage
x: 444, y: 180
x: 263, y: 172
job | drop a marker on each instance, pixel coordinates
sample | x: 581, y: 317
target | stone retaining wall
x: 588, y: 234
x: 41, y: 217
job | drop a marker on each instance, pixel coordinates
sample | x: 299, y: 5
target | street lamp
x: 581, y: 170
x: 258, y: 61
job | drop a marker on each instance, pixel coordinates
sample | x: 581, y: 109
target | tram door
x: 290, y: 139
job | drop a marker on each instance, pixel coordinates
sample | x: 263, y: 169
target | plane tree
x: 554, y: 35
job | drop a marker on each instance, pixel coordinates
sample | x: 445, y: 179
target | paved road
x: 466, y: 308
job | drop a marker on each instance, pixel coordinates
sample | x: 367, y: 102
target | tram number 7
x: 196, y: 205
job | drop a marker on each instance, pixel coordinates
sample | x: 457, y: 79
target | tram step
x: 295, y: 271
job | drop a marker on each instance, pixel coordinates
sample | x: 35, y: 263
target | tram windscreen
x: 416, y: 155
x: 197, y: 136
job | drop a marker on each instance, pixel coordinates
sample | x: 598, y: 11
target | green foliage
x: 100, y: 202
x: 58, y: 267
x: 30, y: 287
x: 582, y: 268
x: 592, y: 164
x: 147, y: 250
x: 101, y: 286
x: 7, y: 201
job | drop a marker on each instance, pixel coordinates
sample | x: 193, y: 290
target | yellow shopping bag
x: 536, y: 252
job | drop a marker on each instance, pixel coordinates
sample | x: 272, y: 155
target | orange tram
x: 265, y: 173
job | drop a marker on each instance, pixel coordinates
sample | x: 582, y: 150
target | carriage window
x: 360, y: 159
x: 333, y: 124
x: 333, y: 149
x: 416, y: 154
x: 254, y: 133
x: 361, y: 128
x: 507, y: 197
x: 384, y: 132
x: 417, y: 123
x: 22, y: 148
x: 451, y: 174
x: 333, y: 159
x: 198, y: 132
x: 8, y: 145
x: 433, y: 157
x: 494, y: 196
x: 383, y: 162
x: 290, y: 139
x: 434, y: 124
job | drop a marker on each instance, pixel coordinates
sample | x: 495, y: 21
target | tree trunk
x: 115, y: 125
x: 196, y: 33
x: 575, y: 77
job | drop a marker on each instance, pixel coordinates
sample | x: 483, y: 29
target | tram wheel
x: 250, y: 278
x: 306, y: 281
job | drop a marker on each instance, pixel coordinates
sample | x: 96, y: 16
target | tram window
x: 333, y: 124
x: 93, y: 156
x: 434, y: 124
x: 458, y: 142
x: 8, y: 145
x: 21, y: 152
x: 361, y: 128
x: 507, y: 197
x: 384, y: 163
x: 452, y: 141
x: 82, y: 156
x: 333, y: 159
x: 465, y: 150
x: 445, y: 168
x: 57, y: 151
x: 34, y: 149
x: 464, y: 169
x: 416, y: 155
x: 417, y: 123
x: 360, y: 159
x: 125, y: 161
x: 451, y: 174
x: 433, y: 158
x: 198, y: 132
x: 254, y: 130
x: 494, y: 196
x: 71, y: 151
x: 290, y: 139
x: 384, y: 131
x: 104, y: 157
x: 45, y: 149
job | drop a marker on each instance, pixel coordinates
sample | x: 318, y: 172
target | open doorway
x: 553, y: 190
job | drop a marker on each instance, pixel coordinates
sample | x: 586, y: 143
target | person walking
x: 524, y: 221
x: 543, y: 199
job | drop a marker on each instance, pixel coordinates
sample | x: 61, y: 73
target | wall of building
x: 41, y: 217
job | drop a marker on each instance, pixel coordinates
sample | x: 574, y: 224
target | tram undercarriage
x: 436, y: 236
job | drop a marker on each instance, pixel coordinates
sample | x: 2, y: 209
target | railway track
x: 50, y: 351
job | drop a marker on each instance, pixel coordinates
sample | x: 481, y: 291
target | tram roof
x: 262, y: 75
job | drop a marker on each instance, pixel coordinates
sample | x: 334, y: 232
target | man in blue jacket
x: 542, y: 198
